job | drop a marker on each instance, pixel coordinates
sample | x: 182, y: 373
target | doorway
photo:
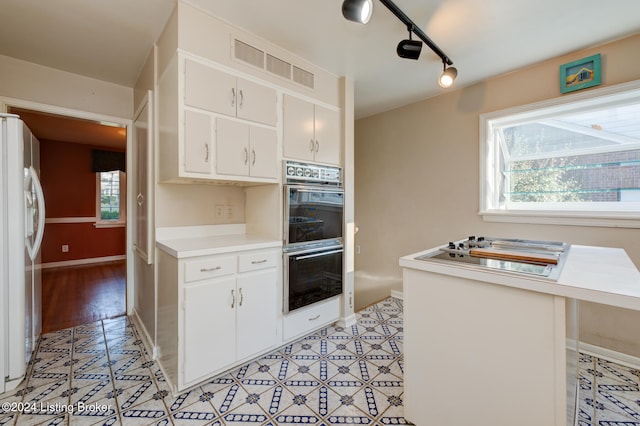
x: 83, y: 255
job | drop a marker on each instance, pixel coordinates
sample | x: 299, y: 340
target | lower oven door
x: 311, y: 276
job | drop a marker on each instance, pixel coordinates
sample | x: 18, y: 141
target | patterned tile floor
x: 609, y: 393
x: 100, y: 374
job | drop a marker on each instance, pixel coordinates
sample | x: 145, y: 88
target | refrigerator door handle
x: 33, y: 249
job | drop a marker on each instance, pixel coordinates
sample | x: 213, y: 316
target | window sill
x: 607, y: 220
x: 110, y: 224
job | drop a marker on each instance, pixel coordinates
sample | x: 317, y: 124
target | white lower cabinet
x: 209, y: 332
x: 226, y: 312
x: 256, y: 302
x: 305, y: 320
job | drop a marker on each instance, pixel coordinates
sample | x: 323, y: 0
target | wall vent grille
x: 303, y: 77
x: 247, y: 53
x: 278, y: 66
x: 256, y: 57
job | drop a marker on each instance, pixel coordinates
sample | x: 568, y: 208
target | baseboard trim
x: 348, y: 321
x: 77, y: 262
x: 146, y: 339
x: 397, y: 294
x: 610, y: 355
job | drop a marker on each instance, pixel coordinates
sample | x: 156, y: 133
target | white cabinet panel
x: 256, y: 102
x: 232, y: 147
x: 246, y: 150
x: 298, y: 129
x: 207, y: 268
x: 142, y: 158
x: 258, y: 260
x: 310, y: 132
x: 209, y: 327
x: 264, y: 152
x: 217, y: 91
x: 327, y: 135
x: 210, y: 89
x: 257, y: 302
x: 197, y: 142
x: 309, y: 318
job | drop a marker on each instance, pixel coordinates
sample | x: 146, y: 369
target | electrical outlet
x: 229, y: 212
x: 358, y: 249
x: 220, y: 211
x: 65, y: 248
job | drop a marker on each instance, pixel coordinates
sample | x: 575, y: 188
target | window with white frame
x: 110, y: 202
x: 572, y: 160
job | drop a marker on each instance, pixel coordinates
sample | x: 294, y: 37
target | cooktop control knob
x: 480, y: 239
x: 291, y: 171
x: 451, y: 245
x: 472, y: 237
x: 299, y: 171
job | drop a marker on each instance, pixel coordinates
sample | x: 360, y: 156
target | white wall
x: 35, y: 83
x: 417, y: 171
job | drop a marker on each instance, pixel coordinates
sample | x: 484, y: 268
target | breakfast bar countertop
x: 596, y: 274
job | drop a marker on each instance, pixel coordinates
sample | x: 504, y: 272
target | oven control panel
x: 296, y: 172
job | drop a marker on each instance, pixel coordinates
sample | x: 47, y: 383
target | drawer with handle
x: 195, y: 270
x: 259, y: 260
x: 306, y: 319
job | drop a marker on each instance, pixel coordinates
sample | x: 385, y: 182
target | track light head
x: 409, y: 49
x: 447, y: 77
x: 359, y: 11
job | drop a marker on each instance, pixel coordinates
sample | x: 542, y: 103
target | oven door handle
x: 322, y: 253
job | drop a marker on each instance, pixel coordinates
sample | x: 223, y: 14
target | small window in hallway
x: 111, y: 188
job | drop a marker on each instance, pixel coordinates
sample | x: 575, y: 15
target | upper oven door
x: 313, y: 214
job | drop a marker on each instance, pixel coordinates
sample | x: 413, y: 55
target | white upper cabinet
x: 310, y: 132
x: 217, y: 91
x: 198, y: 148
x: 246, y: 150
x: 215, y: 126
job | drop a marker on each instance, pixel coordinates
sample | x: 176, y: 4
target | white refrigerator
x: 23, y: 215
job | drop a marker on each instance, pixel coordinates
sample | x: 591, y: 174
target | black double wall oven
x: 313, y: 228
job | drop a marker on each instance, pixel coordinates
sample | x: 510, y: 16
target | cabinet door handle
x: 241, y: 297
x: 253, y: 157
x: 317, y: 146
x: 257, y: 262
x: 206, y: 152
x: 246, y: 156
x: 233, y: 299
x: 140, y: 199
x: 233, y: 97
x: 314, y: 318
x: 217, y: 268
x: 241, y: 99
x: 311, y: 145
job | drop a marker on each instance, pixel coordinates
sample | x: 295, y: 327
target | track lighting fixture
x: 409, y: 49
x: 448, y: 76
x: 357, y: 10
x: 360, y: 11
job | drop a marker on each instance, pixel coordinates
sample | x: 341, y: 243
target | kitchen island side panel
x: 480, y: 353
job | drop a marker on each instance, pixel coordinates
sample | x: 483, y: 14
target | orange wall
x: 69, y: 188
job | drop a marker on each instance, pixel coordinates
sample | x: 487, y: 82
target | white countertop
x: 596, y: 274
x: 182, y: 242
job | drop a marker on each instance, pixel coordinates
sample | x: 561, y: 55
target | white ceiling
x: 110, y: 39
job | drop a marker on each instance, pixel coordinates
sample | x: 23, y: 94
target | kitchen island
x: 483, y: 346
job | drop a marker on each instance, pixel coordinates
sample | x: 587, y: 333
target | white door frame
x: 6, y: 103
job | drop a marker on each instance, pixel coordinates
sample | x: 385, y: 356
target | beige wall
x: 35, y: 83
x: 417, y: 171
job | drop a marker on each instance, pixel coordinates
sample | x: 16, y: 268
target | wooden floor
x: 79, y: 295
